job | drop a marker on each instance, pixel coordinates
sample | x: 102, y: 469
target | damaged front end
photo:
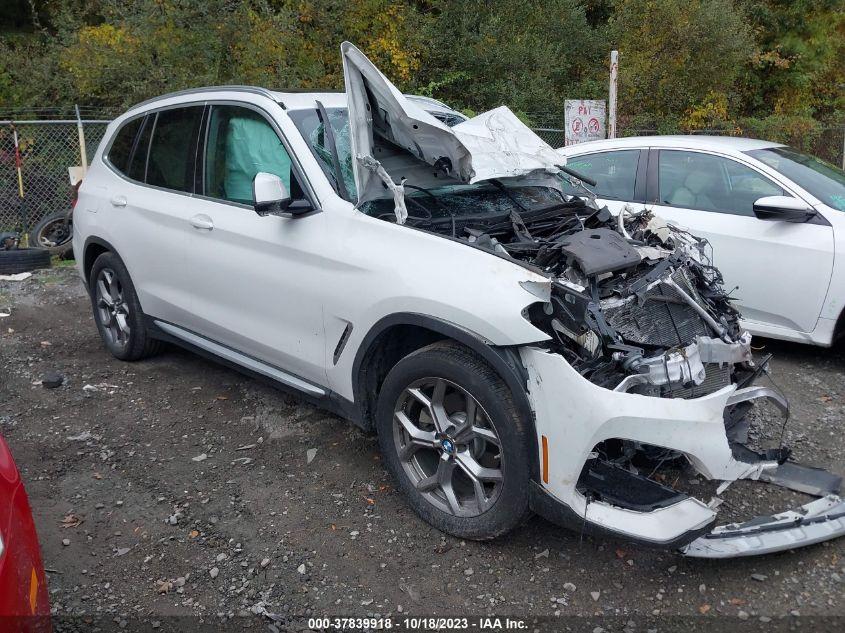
x: 638, y: 310
x: 646, y: 366
x: 636, y: 307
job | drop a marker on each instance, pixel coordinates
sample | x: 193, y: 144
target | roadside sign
x: 584, y: 120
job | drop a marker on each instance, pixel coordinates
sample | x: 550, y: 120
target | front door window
x: 694, y: 180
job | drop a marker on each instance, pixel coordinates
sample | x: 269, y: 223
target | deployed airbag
x: 252, y: 146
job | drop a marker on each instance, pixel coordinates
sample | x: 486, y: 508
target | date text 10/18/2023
x: 408, y: 623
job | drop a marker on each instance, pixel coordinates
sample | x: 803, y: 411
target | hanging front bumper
x: 817, y: 521
x: 572, y: 415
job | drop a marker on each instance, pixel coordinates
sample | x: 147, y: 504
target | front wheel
x: 455, y: 442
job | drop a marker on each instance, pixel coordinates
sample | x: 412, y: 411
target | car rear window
x: 121, y: 147
x: 615, y: 173
x: 171, y: 158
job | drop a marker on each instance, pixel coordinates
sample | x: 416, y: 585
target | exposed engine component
x: 635, y: 304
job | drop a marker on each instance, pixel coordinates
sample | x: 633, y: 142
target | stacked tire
x: 22, y: 260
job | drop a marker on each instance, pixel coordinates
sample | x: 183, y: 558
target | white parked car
x: 514, y: 348
x: 774, y: 216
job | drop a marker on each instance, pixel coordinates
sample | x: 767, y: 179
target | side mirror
x: 269, y: 194
x: 783, y: 208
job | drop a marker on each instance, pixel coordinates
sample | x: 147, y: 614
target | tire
x: 22, y: 260
x: 449, y: 450
x: 54, y: 234
x: 117, y: 312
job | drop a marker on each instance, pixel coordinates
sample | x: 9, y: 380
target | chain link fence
x: 46, y: 148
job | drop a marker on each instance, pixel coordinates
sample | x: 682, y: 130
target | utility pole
x: 83, y: 155
x: 611, y: 105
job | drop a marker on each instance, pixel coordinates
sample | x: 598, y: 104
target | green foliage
x: 529, y: 55
x: 798, y: 67
x: 767, y: 67
x: 676, y: 54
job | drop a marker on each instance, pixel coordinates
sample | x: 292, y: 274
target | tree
x: 479, y: 54
x: 798, y: 67
x: 114, y: 53
x: 677, y: 54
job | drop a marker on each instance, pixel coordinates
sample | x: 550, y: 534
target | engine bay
x: 636, y: 304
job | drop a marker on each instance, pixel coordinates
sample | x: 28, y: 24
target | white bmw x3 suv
x: 425, y: 276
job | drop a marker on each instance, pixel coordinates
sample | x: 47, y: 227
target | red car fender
x: 24, y: 600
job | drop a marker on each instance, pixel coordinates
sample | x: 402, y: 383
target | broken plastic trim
x: 815, y: 522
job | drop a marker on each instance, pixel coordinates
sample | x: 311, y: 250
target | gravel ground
x: 176, y: 486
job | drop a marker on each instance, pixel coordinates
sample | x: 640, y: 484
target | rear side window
x: 615, y: 173
x: 138, y: 160
x: 173, y: 148
x: 121, y: 147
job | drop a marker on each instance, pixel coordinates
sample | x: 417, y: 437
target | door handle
x: 118, y: 201
x: 202, y: 222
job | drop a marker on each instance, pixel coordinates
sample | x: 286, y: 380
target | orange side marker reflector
x: 33, y: 591
x: 545, y: 459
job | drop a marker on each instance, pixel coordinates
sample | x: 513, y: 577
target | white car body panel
x: 295, y: 298
x: 277, y: 317
x: 789, y: 280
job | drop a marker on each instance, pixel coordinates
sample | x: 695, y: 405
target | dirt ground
x: 176, y: 486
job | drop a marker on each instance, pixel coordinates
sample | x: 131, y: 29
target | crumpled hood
x: 408, y: 142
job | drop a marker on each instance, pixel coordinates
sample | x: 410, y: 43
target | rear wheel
x: 117, y: 311
x: 455, y: 442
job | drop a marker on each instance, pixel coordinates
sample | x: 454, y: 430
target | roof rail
x: 264, y: 92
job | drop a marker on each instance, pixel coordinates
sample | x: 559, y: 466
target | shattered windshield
x: 484, y: 199
x: 313, y: 130
x: 478, y: 201
x: 825, y: 181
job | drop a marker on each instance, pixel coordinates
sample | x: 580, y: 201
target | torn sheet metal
x: 502, y: 146
x: 408, y: 141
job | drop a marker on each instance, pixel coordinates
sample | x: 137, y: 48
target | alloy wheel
x: 448, y: 447
x: 112, y: 311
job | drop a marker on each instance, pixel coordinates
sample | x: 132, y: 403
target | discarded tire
x: 55, y: 234
x: 21, y: 260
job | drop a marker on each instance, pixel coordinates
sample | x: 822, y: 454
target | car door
x: 619, y: 176
x: 781, y: 270
x: 255, y: 280
x: 150, y: 197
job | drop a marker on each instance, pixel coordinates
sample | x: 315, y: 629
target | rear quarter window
x: 121, y: 147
